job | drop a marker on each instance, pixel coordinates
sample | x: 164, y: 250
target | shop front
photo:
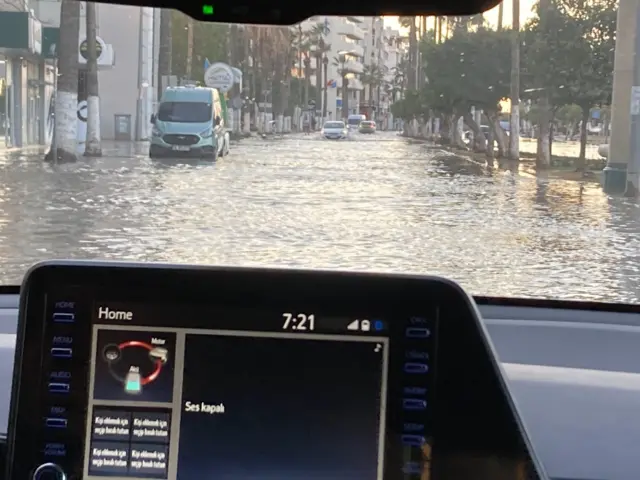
x: 20, y: 50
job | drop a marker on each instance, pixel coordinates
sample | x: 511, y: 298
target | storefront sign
x: 219, y: 75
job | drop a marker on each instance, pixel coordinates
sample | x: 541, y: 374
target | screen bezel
x: 346, y: 292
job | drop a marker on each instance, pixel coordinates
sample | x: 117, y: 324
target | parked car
x: 334, y: 130
x: 368, y: 126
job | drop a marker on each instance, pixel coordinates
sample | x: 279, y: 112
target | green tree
x: 209, y: 42
x: 569, y: 52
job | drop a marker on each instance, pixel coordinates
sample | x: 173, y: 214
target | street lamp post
x: 344, y: 108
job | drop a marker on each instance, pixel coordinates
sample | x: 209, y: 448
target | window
x: 185, y: 112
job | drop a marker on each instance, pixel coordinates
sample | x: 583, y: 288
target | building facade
x: 345, y: 36
x: 128, y: 41
x: 23, y: 76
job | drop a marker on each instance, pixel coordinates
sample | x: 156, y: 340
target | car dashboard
x: 574, y: 369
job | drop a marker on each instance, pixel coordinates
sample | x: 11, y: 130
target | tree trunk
x: 92, y: 146
x: 307, y: 82
x: 543, y: 153
x: 165, y: 53
x: 582, y: 158
x: 499, y: 135
x: 189, y: 68
x: 500, y: 14
x: 371, y: 112
x: 413, y: 56
x: 325, y: 93
x: 66, y: 117
x: 479, y: 140
x: 345, y: 97
x: 458, y: 141
x: 319, y: 81
x: 514, y: 130
x: 489, y: 152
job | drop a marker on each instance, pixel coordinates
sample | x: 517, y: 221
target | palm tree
x: 339, y: 62
x: 320, y: 47
x: 166, y: 43
x: 373, y: 76
x: 301, y: 44
x: 268, y: 64
x: 65, y: 130
x: 410, y: 22
x: 189, y: 47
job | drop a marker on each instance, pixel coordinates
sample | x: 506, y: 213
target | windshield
x: 487, y: 164
x: 185, y: 112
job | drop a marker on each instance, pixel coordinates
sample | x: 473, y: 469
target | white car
x: 334, y: 130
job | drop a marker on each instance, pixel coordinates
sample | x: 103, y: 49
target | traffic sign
x: 84, y: 49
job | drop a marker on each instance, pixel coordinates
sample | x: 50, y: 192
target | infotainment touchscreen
x: 128, y: 372
x: 175, y: 392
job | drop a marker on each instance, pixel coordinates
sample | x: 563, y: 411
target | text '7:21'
x: 298, y: 321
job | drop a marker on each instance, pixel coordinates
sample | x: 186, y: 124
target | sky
x: 491, y: 16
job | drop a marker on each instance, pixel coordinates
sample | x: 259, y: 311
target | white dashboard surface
x: 575, y: 376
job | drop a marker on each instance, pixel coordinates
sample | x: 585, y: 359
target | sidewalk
x: 110, y: 148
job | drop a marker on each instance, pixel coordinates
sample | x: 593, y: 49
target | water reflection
x: 376, y: 203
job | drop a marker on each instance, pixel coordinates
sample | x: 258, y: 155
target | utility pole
x: 623, y: 143
x: 92, y: 146
x: 633, y: 170
x: 514, y: 130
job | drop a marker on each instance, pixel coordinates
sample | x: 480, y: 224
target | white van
x: 353, y: 121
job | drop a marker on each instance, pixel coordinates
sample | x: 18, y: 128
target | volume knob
x: 49, y: 471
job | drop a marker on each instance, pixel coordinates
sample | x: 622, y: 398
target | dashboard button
x: 64, y: 317
x: 418, y: 332
x: 59, y: 387
x: 414, y: 404
x: 61, y: 352
x: 56, y: 422
x: 49, y: 471
x: 416, y: 367
x: 413, y: 440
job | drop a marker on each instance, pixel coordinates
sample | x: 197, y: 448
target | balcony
x: 353, y: 66
x: 350, y: 30
x: 340, y: 45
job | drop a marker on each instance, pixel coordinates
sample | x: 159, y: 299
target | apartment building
x: 373, y: 52
x: 345, y: 36
x: 127, y: 86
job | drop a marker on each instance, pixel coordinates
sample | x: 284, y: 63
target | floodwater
x: 375, y: 202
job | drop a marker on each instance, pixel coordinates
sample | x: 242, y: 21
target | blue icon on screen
x: 378, y: 325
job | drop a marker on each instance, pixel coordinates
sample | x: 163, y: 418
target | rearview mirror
x: 153, y: 118
x: 218, y: 120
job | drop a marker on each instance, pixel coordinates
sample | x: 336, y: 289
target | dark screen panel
x: 473, y: 427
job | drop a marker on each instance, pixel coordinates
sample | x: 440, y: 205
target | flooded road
x: 375, y: 203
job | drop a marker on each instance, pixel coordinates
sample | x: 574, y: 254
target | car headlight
x: 206, y: 133
x: 344, y: 132
x: 156, y: 132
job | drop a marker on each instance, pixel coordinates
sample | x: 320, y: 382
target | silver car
x: 334, y: 130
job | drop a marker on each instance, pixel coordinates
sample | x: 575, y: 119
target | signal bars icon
x: 361, y: 325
